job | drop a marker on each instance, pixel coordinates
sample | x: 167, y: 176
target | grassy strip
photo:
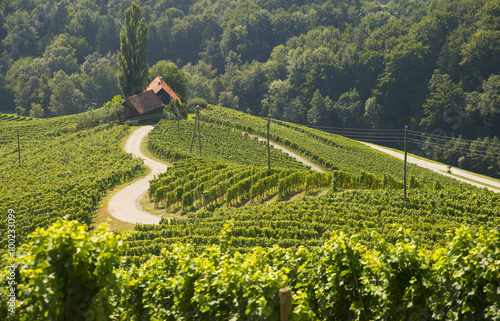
x: 438, y: 163
x: 474, y: 181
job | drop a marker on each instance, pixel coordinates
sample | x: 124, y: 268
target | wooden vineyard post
x: 198, y: 117
x: 268, y: 148
x: 196, y: 123
x: 18, y: 148
x: 285, y: 304
x: 406, y: 156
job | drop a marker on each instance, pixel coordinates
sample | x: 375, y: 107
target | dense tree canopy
x: 377, y: 64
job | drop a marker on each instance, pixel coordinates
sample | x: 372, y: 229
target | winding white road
x: 442, y: 169
x: 124, y: 205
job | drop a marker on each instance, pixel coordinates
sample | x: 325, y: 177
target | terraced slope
x: 310, y: 221
x: 64, y: 171
x: 365, y: 196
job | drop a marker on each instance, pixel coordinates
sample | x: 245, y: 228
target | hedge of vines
x: 63, y: 174
x: 309, y: 221
x: 220, y: 143
x: 341, y: 279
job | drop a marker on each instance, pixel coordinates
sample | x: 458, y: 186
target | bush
x: 110, y: 112
x: 65, y: 273
x: 197, y: 101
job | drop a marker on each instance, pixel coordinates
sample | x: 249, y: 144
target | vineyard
x: 330, y: 151
x: 310, y: 221
x: 199, y: 183
x: 341, y: 279
x: 243, y: 235
x: 64, y: 172
x: 219, y: 142
x: 13, y: 117
x: 219, y: 188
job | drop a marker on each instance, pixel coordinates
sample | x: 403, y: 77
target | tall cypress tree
x: 132, y: 56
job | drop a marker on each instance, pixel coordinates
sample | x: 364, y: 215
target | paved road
x: 124, y: 205
x: 442, y: 169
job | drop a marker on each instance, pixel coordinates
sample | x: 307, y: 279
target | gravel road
x: 124, y: 205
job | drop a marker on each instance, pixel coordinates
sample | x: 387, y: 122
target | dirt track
x: 124, y: 205
x: 297, y: 157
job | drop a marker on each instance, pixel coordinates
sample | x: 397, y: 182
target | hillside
x: 64, y: 171
x: 363, y: 64
x: 314, y: 226
x: 215, y: 191
x: 241, y: 238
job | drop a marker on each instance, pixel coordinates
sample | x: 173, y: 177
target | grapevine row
x: 311, y: 220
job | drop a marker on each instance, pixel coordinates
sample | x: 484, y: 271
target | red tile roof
x: 145, y: 101
x: 158, y: 84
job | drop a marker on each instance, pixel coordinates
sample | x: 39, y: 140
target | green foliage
x: 309, y: 221
x: 133, y: 68
x: 197, y: 102
x: 445, y: 98
x: 173, y: 76
x: 67, y: 273
x: 197, y: 183
x: 489, y: 102
x: 327, y: 150
x: 218, y: 285
x: 229, y: 100
x: 219, y: 142
x: 349, y: 109
x: 66, y: 98
x: 316, y: 115
x: 273, y: 56
x: 63, y: 171
x: 373, y: 113
x: 111, y: 112
x: 36, y: 111
x: 60, y: 55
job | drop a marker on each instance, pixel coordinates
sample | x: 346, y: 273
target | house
x: 150, y: 101
x: 162, y: 90
x: 142, y: 104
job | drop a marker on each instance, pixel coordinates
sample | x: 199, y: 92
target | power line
x: 449, y: 148
x: 455, y: 146
x: 72, y: 126
x: 459, y: 141
x: 447, y: 138
x: 351, y: 132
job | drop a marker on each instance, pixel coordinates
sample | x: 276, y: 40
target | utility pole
x: 178, y: 128
x: 198, y: 117
x: 406, y: 156
x: 268, y: 148
x: 197, y: 122
x: 174, y: 103
x: 18, y: 148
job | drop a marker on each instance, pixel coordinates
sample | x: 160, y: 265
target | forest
x: 431, y: 65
